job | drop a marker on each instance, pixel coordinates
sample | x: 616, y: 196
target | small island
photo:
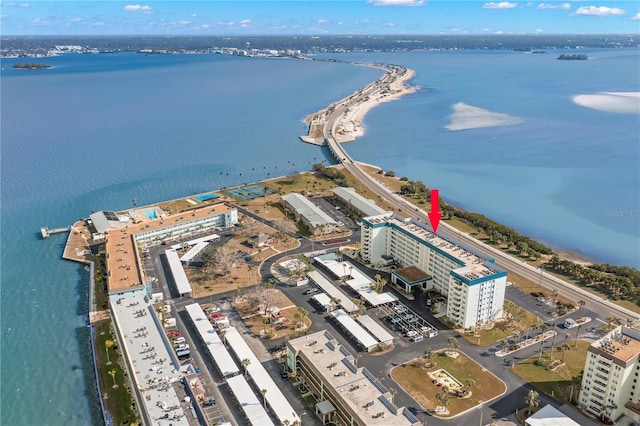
x: 31, y: 66
x: 573, y: 57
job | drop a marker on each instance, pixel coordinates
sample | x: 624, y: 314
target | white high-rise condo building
x: 474, y: 285
x: 610, y: 380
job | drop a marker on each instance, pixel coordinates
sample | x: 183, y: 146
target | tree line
x: 330, y: 173
x: 621, y: 281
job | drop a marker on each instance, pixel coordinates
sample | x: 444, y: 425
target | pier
x: 45, y: 232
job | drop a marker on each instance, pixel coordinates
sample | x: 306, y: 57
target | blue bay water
x: 556, y: 177
x: 97, y: 131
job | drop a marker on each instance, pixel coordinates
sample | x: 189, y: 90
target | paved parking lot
x: 400, y: 318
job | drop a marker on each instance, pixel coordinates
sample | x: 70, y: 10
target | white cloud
x: 76, y: 20
x: 486, y: 30
x: 539, y: 31
x: 498, y: 32
x: 245, y: 21
x: 501, y: 5
x: 387, y: 24
x: 599, y: 11
x: 636, y: 17
x: 409, y: 3
x: 279, y: 27
x: 136, y: 8
x: 97, y: 24
x: 554, y: 6
x: 205, y: 26
x: 322, y: 21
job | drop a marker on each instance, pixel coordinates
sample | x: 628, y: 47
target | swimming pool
x: 151, y: 214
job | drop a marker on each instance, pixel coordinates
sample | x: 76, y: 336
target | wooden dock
x: 45, y: 232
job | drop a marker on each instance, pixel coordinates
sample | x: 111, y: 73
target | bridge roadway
x: 595, y: 303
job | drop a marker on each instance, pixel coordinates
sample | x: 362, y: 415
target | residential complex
x: 124, y: 244
x: 474, y: 286
x: 319, y: 222
x: 344, y: 393
x: 610, y: 381
x: 352, y: 200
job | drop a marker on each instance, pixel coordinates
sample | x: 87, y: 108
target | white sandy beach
x: 349, y: 125
x: 469, y: 117
x: 620, y: 102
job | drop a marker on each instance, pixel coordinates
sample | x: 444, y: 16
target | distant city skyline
x: 355, y: 17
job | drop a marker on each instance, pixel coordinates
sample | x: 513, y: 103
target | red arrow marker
x: 434, y: 214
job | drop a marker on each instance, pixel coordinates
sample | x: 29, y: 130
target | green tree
x: 245, y: 363
x: 532, y: 399
x: 112, y: 373
x: 108, y: 344
x: 543, y: 329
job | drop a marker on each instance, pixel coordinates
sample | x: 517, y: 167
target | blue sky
x: 238, y: 17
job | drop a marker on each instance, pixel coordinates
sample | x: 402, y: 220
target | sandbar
x: 469, y: 117
x: 620, y: 102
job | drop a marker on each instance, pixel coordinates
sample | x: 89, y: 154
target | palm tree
x: 245, y: 363
x: 428, y: 352
x: 533, y: 399
x: 334, y: 303
x: 303, y: 313
x: 108, y: 344
x: 470, y: 382
x: 581, y: 304
x: 565, y: 346
x: 577, y: 332
x: 112, y: 373
x: 543, y: 328
x: 451, y: 342
x: 553, y: 339
x: 296, y: 318
x: 264, y: 397
x: 223, y: 334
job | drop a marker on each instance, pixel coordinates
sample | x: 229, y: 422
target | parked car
x: 209, y: 402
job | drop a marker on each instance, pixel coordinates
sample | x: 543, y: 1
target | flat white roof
x: 215, y: 346
x: 374, y: 328
x: 333, y: 291
x: 248, y: 401
x: 550, y: 416
x: 359, y: 282
x: 276, y: 400
x: 194, y: 251
x: 366, y: 206
x: 359, y: 333
x: 205, y: 239
x: 322, y: 299
x: 148, y: 351
x: 306, y: 208
x: 182, y: 283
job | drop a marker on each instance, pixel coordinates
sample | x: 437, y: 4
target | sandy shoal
x: 469, y: 117
x: 620, y: 102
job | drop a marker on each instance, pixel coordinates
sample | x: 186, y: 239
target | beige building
x: 344, y: 393
x: 318, y: 222
x: 611, y: 378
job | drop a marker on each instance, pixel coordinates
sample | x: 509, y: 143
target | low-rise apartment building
x: 345, y: 394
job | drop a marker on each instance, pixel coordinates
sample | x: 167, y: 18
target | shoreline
x: 391, y: 86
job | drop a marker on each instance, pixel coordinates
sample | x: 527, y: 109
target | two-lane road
x: 595, y: 303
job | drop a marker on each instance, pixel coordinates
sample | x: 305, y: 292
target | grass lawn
x: 414, y: 378
x: 118, y: 400
x: 497, y: 333
x: 559, y: 381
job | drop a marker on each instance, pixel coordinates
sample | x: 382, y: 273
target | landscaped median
x: 448, y: 383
